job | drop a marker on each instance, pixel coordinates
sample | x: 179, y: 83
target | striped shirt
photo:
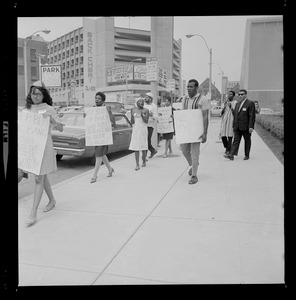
x: 196, y: 102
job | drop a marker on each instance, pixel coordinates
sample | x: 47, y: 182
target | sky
x: 223, y: 34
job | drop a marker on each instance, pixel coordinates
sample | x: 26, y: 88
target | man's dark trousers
x: 237, y: 138
x: 150, y: 147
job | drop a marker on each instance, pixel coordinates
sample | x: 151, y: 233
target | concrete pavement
x: 151, y: 227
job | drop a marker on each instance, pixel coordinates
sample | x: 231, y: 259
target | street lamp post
x: 210, y: 51
x: 40, y: 56
x: 126, y: 77
x: 222, y: 73
x: 25, y: 56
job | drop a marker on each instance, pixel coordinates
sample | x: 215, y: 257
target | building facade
x: 102, y: 57
x: 262, y: 63
x: 32, y: 52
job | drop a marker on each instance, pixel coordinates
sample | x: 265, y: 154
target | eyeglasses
x: 36, y: 94
x: 240, y: 94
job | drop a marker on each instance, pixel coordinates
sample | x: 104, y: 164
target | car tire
x: 59, y: 157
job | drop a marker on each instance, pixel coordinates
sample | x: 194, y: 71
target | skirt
x: 101, y: 150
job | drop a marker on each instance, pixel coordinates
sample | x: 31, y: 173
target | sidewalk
x: 151, y: 227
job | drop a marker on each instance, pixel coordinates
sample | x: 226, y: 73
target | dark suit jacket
x: 245, y: 118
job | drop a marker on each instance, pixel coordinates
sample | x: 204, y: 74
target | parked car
x: 266, y: 111
x: 71, y: 141
x: 216, y: 111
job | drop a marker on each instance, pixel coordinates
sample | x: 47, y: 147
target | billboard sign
x: 151, y: 69
x: 51, y: 75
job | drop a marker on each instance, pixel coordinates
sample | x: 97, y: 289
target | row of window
x: 66, y: 54
x: 66, y: 84
x: 66, y: 43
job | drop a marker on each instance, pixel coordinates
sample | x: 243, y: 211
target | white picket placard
x: 165, y: 121
x: 188, y: 125
x: 33, y: 130
x: 98, y: 128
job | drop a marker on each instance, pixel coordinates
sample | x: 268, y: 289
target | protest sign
x: 188, y: 125
x: 98, y: 128
x: 33, y: 130
x: 165, y: 121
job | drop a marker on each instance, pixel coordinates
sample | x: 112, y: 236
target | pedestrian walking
x: 152, y: 107
x: 39, y: 101
x: 226, y: 129
x: 168, y: 136
x: 243, y: 124
x: 139, y: 141
x: 102, y: 151
x: 191, y: 151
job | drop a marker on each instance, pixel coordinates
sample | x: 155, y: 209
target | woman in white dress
x: 139, y: 142
x: 39, y: 101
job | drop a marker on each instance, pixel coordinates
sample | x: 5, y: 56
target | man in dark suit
x: 243, y: 124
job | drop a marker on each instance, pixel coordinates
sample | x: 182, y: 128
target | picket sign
x: 98, y: 128
x: 188, y: 125
x: 33, y: 130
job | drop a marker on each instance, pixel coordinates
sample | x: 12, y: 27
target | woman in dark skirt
x: 101, y: 151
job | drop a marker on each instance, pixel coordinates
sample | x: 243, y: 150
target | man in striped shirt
x: 191, y: 151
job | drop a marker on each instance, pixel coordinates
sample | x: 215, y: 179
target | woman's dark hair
x: 103, y: 96
x: 233, y: 92
x: 46, y: 96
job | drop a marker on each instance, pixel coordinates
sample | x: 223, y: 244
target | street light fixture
x: 210, y: 50
x: 25, y: 56
x: 126, y: 78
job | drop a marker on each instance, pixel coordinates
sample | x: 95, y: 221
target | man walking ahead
x: 191, y: 151
x: 243, y: 124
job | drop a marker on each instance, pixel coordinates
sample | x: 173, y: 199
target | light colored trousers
x: 191, y: 153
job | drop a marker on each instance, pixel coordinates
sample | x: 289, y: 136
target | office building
x: 262, y: 64
x: 32, y: 52
x: 102, y: 57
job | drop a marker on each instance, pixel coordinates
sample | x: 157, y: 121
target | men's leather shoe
x: 193, y: 180
x: 228, y: 156
x: 246, y: 157
x: 152, y: 154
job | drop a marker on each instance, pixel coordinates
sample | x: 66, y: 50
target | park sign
x: 51, y: 75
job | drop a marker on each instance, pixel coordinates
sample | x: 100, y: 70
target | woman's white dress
x: 49, y: 162
x: 139, y: 139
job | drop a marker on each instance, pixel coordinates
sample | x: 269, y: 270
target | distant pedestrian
x: 191, y: 151
x: 257, y: 107
x: 139, y: 141
x: 101, y: 151
x: 39, y: 101
x: 168, y: 136
x: 152, y: 107
x: 243, y: 124
x: 226, y: 129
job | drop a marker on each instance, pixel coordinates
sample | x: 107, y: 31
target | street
x: 68, y: 167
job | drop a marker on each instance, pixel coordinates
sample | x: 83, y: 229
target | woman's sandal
x: 49, y: 206
x: 92, y: 180
x: 137, y: 168
x: 110, y: 173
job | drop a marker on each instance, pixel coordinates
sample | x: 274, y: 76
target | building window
x: 20, y: 51
x: 33, y: 72
x: 77, y: 81
x: 33, y: 55
x: 20, y: 70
